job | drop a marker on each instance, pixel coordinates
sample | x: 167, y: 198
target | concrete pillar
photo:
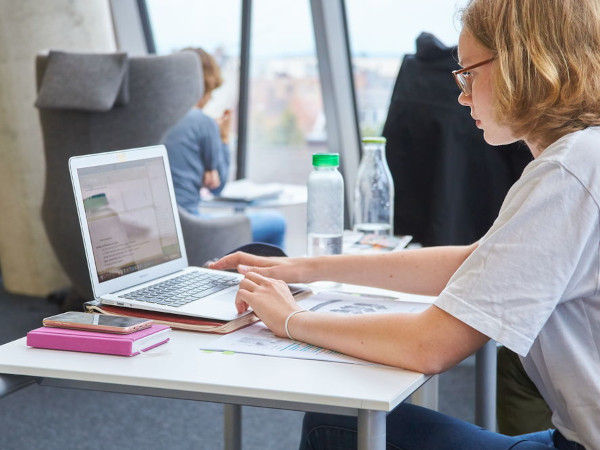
x: 28, y: 27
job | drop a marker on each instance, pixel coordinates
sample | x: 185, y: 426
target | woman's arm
x: 428, y: 342
x: 223, y: 168
x: 224, y: 156
x: 423, y: 271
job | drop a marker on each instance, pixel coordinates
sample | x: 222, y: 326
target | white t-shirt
x: 533, y: 282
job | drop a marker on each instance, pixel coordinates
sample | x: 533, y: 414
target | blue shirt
x: 194, y: 145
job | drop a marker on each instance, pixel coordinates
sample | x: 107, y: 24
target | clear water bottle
x: 325, y: 223
x: 374, y: 190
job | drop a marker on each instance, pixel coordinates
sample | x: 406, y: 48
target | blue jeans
x: 267, y: 226
x: 411, y: 427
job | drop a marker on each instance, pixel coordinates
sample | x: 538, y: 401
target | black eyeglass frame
x: 459, y: 76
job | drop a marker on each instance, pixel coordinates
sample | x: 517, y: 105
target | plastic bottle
x: 374, y: 190
x: 325, y: 224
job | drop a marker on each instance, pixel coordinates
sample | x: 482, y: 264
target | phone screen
x: 100, y: 322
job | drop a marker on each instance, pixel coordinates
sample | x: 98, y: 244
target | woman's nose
x: 464, y: 99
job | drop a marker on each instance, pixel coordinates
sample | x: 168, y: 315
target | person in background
x: 531, y: 72
x: 199, y: 156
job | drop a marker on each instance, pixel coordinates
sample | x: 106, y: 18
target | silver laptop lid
x: 128, y: 217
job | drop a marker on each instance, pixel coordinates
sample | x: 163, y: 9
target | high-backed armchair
x: 92, y: 103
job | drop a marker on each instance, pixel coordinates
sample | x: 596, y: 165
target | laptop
x: 132, y: 238
x: 246, y: 191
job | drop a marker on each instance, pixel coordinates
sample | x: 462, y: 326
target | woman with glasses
x: 531, y: 72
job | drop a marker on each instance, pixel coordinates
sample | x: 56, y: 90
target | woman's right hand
x: 224, y: 123
x: 290, y: 270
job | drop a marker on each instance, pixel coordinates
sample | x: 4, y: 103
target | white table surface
x: 181, y: 365
x: 180, y: 369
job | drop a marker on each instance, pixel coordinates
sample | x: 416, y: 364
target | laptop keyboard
x: 183, y: 289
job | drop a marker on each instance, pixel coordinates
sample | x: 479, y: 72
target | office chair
x: 92, y: 103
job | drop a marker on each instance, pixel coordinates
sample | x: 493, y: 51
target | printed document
x: 258, y: 339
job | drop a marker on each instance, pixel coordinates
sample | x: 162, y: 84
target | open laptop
x: 132, y: 237
x: 247, y: 191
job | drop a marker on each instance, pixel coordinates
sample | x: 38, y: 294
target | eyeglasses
x: 463, y: 76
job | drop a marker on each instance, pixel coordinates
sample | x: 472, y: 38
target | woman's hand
x: 290, y: 270
x: 270, y: 299
x: 224, y: 123
x: 211, y: 179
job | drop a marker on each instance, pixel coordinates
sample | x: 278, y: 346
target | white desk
x: 181, y: 370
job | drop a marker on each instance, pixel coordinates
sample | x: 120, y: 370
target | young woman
x: 532, y: 73
x: 199, y: 156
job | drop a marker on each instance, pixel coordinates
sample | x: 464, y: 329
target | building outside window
x: 286, y: 120
x: 381, y: 32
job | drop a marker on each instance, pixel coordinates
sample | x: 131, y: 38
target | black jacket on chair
x: 449, y: 184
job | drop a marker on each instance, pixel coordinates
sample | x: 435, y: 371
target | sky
x: 284, y: 27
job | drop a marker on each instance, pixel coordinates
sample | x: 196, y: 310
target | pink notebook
x: 96, y: 342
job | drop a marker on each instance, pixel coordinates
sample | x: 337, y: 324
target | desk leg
x: 371, y: 430
x: 232, y: 418
x: 12, y: 383
x: 427, y: 395
x: 485, y: 386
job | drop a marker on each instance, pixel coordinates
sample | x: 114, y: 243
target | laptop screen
x: 129, y: 216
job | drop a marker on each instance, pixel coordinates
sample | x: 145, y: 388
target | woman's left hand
x: 211, y: 179
x: 270, y: 299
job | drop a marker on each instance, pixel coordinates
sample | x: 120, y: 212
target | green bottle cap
x: 374, y: 140
x: 326, y: 159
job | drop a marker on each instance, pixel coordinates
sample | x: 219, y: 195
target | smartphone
x: 97, y: 322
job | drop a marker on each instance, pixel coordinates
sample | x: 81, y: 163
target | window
x: 381, y: 33
x: 286, y: 122
x: 212, y: 25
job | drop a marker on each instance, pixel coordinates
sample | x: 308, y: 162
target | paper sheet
x: 355, y: 242
x: 258, y: 339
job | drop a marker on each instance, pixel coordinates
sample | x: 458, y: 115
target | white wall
x: 27, y: 27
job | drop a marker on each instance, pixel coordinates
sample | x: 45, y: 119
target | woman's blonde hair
x: 547, y: 81
x: 210, y: 69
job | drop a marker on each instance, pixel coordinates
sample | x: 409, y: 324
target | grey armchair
x: 91, y: 103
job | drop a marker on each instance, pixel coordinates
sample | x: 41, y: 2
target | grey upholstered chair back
x: 149, y: 96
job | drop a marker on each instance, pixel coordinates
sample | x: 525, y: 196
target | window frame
x: 133, y: 32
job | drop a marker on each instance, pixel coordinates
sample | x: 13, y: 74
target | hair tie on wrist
x: 287, y: 321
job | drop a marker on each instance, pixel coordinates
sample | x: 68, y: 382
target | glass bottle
x: 325, y: 208
x: 374, y: 191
